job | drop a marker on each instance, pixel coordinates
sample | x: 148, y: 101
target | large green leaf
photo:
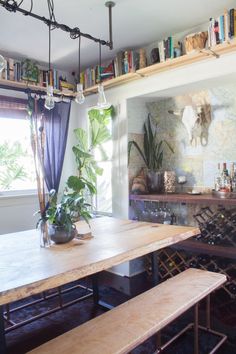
x: 99, y: 133
x: 75, y: 183
x: 82, y: 138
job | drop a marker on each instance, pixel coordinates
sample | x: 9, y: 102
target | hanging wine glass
x: 182, y: 180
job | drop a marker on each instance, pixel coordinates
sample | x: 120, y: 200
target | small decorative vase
x: 58, y: 234
x: 45, y: 240
x: 155, y: 181
x: 169, y: 181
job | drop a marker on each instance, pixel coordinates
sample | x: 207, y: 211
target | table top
x: 27, y: 269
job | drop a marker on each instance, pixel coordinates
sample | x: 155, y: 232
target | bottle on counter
x: 233, y: 177
x: 218, y: 177
x: 225, y: 179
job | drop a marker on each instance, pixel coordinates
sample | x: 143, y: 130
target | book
x: 231, y: 22
x: 161, y: 51
x: 226, y: 25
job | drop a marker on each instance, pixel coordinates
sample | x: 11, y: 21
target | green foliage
x: 153, y: 151
x: 71, y: 207
x: 87, y: 166
x: 10, y: 167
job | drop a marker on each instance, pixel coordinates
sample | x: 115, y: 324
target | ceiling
x: 136, y: 23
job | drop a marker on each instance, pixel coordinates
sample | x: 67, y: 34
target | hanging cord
x: 49, y: 49
x: 79, y: 60
x: 100, y: 62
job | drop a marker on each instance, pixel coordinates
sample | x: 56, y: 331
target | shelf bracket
x: 209, y: 51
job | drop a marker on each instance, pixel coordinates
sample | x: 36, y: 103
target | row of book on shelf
x: 27, y: 71
x: 220, y: 30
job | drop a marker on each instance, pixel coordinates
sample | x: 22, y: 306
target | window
x: 17, y: 171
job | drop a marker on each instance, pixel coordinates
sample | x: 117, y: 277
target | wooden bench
x: 125, y: 327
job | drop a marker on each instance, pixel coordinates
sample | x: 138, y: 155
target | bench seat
x: 128, y: 325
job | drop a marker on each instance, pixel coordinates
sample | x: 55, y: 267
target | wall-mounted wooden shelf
x: 183, y: 198
x: 187, y: 59
x: 24, y: 86
x: 119, y: 80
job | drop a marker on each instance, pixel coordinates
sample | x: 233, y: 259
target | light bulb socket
x: 79, y: 87
x: 50, y: 90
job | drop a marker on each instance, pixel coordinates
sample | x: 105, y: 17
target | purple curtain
x: 56, y: 129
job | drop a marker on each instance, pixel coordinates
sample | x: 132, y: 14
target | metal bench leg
x: 155, y: 277
x: 208, y: 312
x: 3, y: 348
x: 196, y: 344
x: 159, y: 341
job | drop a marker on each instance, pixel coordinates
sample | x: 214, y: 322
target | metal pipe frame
x: 74, y: 32
x: 3, y: 347
x: 45, y: 297
x: 195, y: 326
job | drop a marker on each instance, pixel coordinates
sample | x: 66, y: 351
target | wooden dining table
x: 27, y: 269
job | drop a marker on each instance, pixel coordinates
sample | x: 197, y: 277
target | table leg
x: 96, y: 299
x: 95, y: 289
x: 155, y: 277
x: 3, y: 348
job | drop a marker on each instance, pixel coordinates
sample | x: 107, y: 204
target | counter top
x: 184, y: 198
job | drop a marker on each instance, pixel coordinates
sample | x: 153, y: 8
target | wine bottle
x: 218, y: 179
x: 225, y: 179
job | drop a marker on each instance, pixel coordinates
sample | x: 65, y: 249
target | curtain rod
x: 74, y: 32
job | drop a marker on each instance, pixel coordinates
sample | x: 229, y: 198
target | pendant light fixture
x: 79, y: 98
x: 49, y: 101
x: 2, y: 63
x: 14, y: 6
x: 102, y: 102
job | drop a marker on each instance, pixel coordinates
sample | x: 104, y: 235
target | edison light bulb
x: 79, y: 98
x: 2, y: 63
x: 102, y: 102
x: 49, y: 101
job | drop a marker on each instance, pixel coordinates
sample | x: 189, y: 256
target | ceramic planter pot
x: 155, y: 181
x: 58, y: 234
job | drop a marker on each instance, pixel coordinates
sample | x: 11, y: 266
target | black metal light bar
x: 74, y: 32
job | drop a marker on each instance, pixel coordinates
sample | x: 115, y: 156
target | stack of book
x: 126, y: 62
x: 28, y: 72
x: 166, y: 49
x: 222, y: 29
x: 91, y: 76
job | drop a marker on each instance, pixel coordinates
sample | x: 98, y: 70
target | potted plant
x: 61, y: 216
x: 152, y: 155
